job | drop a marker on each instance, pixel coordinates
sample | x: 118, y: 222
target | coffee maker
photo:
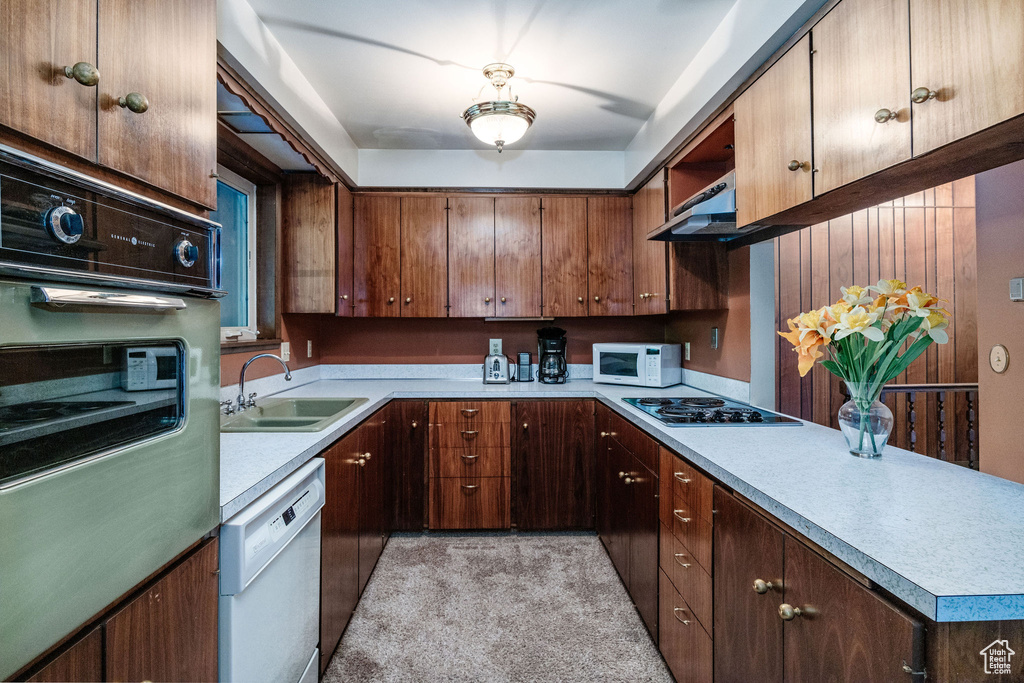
x: 552, y: 368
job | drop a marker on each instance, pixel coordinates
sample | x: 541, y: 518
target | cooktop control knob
x: 186, y: 253
x: 64, y: 224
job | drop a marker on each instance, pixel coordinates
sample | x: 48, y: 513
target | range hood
x: 709, y: 215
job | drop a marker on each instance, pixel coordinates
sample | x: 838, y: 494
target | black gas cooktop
x: 707, y: 411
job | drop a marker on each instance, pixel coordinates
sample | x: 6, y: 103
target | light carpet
x: 495, y: 607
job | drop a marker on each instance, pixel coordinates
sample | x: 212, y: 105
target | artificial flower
x: 855, y: 295
x: 859, y: 319
x: 934, y: 325
x: 890, y: 289
x: 920, y: 303
x: 807, y: 342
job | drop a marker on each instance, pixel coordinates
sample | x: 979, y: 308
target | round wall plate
x: 999, y: 358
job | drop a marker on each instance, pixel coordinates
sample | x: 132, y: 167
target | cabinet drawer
x: 694, y: 532
x: 684, y: 643
x: 468, y: 461
x: 634, y: 441
x: 688, y: 577
x: 693, y: 487
x: 469, y: 412
x: 470, y: 503
x: 482, y: 435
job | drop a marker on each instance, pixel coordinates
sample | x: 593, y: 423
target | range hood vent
x: 709, y: 215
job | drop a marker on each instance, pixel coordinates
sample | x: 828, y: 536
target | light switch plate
x: 495, y: 347
x: 686, y: 350
x: 1017, y: 289
x: 998, y: 358
x: 309, y: 348
x: 286, y: 351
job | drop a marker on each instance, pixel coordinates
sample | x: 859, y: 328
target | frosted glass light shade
x: 499, y: 123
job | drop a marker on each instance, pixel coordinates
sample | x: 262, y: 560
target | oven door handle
x: 58, y: 297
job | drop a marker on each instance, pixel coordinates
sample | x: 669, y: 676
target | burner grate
x: 654, y: 401
x: 700, y: 402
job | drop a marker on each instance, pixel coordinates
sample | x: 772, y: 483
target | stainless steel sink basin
x: 290, y: 415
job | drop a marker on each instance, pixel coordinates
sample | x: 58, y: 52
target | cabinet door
x: 167, y: 52
x: 553, y: 446
x: 603, y: 477
x: 82, y: 662
x: 564, y: 256
x: 407, y: 429
x: 687, y: 648
x: 610, y: 255
x: 773, y: 138
x: 372, y: 502
x: 424, y: 256
x: 377, y: 236
x: 968, y: 52
x: 169, y: 633
x: 40, y: 38
x: 643, y: 544
x: 343, y: 218
x: 471, y: 257
x: 619, y: 503
x: 650, y: 278
x: 845, y: 631
x: 861, y: 66
x: 517, y: 279
x: 339, y: 543
x: 748, y: 631
x: 308, y: 238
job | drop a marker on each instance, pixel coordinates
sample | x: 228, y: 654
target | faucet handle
x: 227, y: 407
x: 251, y: 403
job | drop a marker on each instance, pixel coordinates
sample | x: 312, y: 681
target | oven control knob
x: 186, y: 253
x: 64, y: 224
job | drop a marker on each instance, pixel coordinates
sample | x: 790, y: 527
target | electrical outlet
x: 686, y: 350
x: 495, y: 347
x: 714, y: 337
x: 286, y: 351
x: 309, y: 348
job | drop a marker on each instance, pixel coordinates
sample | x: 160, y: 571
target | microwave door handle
x: 59, y: 297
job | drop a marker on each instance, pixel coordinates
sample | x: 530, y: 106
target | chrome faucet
x: 242, y: 402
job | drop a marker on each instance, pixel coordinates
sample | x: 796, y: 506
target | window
x: 236, y: 212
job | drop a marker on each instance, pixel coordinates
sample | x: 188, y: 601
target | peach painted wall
x: 297, y: 329
x: 732, y: 358
x: 1000, y: 220
x: 464, y: 340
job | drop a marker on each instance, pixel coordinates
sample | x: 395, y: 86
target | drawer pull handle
x: 469, y: 434
x: 761, y: 587
x: 682, y: 479
x: 470, y: 487
x: 470, y: 459
x: 680, y: 517
x: 675, y: 613
x: 469, y: 412
x: 682, y: 564
x: 788, y: 613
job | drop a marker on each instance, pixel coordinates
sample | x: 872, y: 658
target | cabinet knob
x: 83, y: 72
x: 408, y: 299
x: 628, y: 480
x: 391, y: 300
x: 361, y: 462
x: 502, y: 299
x: 604, y: 434
x: 621, y: 475
x: 796, y: 165
x: 487, y: 299
x: 580, y: 299
x: 367, y: 456
x: 788, y: 613
x: 134, y: 102
x: 762, y: 587
x: 344, y: 297
x: 415, y: 424
x: 922, y: 95
x: 526, y: 426
x: 597, y: 298
x: 885, y: 115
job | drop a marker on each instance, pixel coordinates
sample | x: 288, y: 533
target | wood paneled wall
x: 926, y: 239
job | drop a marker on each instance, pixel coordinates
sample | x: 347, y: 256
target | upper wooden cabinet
x: 650, y: 284
x: 966, y: 67
x: 343, y: 215
x: 39, y: 39
x: 377, y: 234
x: 308, y: 242
x: 165, y: 52
x: 564, y: 262
x: 517, y: 257
x: 610, y: 255
x: 424, y: 257
x: 773, y: 138
x: 471, y: 257
x: 861, y: 78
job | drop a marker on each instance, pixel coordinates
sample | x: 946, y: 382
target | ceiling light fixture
x: 499, y: 122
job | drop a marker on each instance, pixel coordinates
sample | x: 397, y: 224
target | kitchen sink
x: 290, y: 415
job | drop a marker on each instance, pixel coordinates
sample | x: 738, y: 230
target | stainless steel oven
x: 106, y: 472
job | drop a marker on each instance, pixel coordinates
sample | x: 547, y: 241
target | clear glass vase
x: 865, y: 421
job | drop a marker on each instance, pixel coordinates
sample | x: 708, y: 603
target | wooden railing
x: 940, y: 420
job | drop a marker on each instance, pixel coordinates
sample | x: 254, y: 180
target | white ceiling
x: 397, y: 73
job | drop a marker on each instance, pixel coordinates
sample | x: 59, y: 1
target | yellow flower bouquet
x: 863, y: 335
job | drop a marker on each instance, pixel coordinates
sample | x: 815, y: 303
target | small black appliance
x: 552, y: 368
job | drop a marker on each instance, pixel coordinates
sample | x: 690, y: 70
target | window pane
x: 233, y: 214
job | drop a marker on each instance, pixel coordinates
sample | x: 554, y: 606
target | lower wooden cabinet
x: 554, y: 464
x: 469, y: 503
x: 374, y: 498
x: 80, y: 663
x: 407, y: 430
x: 684, y: 643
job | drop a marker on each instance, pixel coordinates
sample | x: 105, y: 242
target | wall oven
x: 108, y: 468
x: 642, y: 365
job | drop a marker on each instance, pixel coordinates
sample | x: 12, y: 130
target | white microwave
x: 642, y: 365
x: 150, y: 367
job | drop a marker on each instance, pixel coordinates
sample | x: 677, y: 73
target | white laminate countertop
x: 944, y: 539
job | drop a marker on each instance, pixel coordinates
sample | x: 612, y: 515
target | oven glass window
x: 64, y: 403
x: 619, y: 364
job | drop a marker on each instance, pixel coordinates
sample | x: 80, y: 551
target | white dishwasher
x: 270, y: 584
